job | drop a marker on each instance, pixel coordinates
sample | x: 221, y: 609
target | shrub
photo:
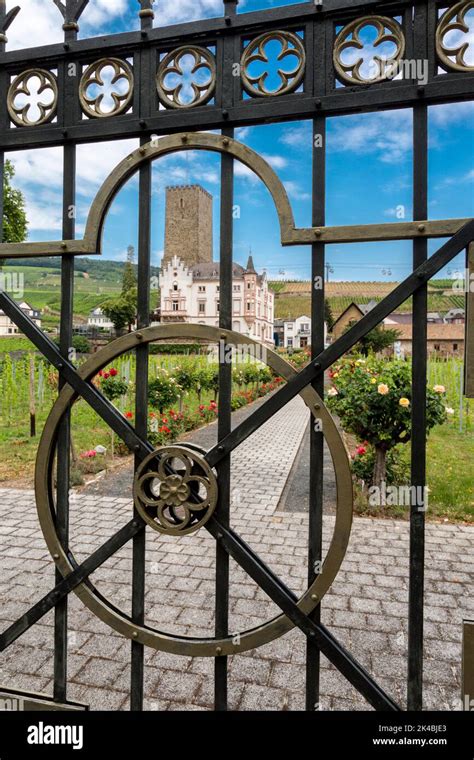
x: 163, y: 390
x: 373, y: 400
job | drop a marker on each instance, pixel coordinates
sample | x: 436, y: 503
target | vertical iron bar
x: 418, y: 438
x: 141, y: 388
x: 225, y: 378
x: 316, y: 436
x: 224, y: 422
x: 65, y: 342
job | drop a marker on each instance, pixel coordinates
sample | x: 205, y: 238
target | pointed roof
x: 250, y: 269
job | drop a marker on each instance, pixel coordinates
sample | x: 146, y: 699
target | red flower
x: 100, y: 373
x: 164, y: 419
x: 113, y: 372
x: 361, y: 450
x: 164, y: 429
x: 129, y: 415
x: 105, y: 375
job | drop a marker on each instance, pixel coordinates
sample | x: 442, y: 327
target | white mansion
x: 191, y: 294
x: 7, y: 327
x: 189, y: 277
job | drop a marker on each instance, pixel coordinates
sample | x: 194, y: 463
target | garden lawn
x: 450, y: 474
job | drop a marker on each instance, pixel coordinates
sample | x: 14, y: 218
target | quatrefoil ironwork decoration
x: 175, y: 490
x: 455, y: 37
x: 93, y: 95
x: 363, y: 61
x: 27, y: 95
x: 257, y: 51
x: 186, y: 77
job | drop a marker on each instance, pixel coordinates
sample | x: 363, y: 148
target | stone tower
x: 188, y: 225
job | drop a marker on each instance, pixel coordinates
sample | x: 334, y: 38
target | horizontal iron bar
x: 195, y: 30
x: 326, y: 358
x: 345, y: 101
x: 68, y: 584
x: 89, y: 393
x: 287, y: 601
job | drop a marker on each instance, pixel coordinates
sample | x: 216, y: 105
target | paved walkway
x: 366, y: 608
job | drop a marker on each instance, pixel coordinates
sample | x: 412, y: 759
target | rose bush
x: 373, y: 401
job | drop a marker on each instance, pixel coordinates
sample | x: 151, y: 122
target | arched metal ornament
x: 350, y: 73
x: 20, y: 86
x: 107, y: 612
x: 291, y: 45
x: 171, y: 64
x: 92, y: 106
x: 454, y: 19
x: 290, y: 235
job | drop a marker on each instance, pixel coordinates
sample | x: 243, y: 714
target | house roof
x: 352, y: 304
x: 210, y: 270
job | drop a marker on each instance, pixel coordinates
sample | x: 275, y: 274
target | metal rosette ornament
x: 175, y: 493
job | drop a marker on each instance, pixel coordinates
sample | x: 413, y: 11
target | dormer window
x: 175, y: 286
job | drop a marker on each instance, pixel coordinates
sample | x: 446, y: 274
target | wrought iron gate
x: 319, y: 86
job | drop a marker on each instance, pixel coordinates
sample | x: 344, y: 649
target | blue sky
x: 369, y: 168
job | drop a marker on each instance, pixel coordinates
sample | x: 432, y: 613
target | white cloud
x: 449, y: 113
x: 297, y: 137
x: 388, y: 134
x: 40, y: 21
x: 294, y: 191
x: 276, y: 162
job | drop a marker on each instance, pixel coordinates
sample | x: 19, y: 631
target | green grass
x: 450, y: 474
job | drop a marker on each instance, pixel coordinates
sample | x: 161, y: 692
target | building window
x: 175, y: 305
x: 202, y: 288
x: 236, y: 306
x: 202, y: 307
x: 289, y: 327
x: 248, y: 305
x: 175, y: 286
x: 237, y: 288
x: 218, y: 306
x: 437, y: 347
x: 217, y: 288
x: 455, y: 346
x: 249, y: 286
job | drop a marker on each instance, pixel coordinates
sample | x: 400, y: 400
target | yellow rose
x: 404, y: 402
x: 373, y: 381
x: 383, y: 389
x: 439, y: 389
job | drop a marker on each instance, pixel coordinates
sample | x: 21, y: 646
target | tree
x: 129, y: 280
x: 14, y: 223
x: 328, y: 315
x: 122, y: 311
x: 373, y: 401
x: 375, y: 341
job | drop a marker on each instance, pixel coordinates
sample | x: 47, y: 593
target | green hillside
x: 97, y: 279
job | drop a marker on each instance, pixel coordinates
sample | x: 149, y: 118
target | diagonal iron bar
x: 287, y: 601
x: 62, y: 589
x: 89, y: 393
x: 326, y: 358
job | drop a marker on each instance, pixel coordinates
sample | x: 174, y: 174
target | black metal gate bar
x: 225, y: 372
x: 141, y: 377
x: 224, y: 417
x: 316, y: 470
x: 68, y: 83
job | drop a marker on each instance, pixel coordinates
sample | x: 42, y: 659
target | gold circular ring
x: 108, y: 613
